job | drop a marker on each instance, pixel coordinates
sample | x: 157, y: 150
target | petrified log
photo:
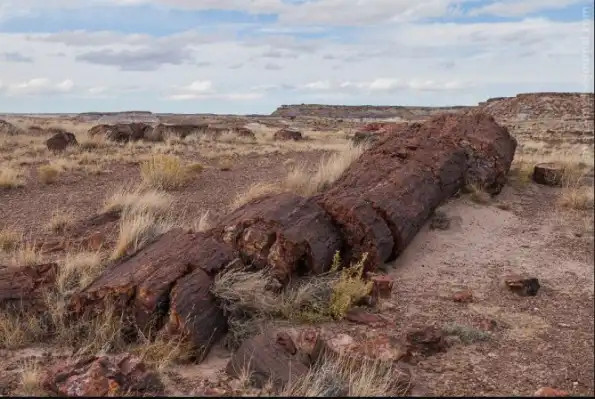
x: 194, y: 312
x: 386, y: 196
x: 549, y: 174
x: 286, y: 232
x: 24, y: 286
x: 142, y: 284
x: 267, y: 357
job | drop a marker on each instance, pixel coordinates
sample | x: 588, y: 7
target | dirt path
x: 545, y: 340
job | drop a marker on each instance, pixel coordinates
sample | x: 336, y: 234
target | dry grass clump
x: 87, y: 142
x: 164, y: 172
x: 48, y: 174
x: 137, y: 200
x: 18, y: 329
x: 60, y: 221
x: 336, y: 376
x: 78, y: 270
x: 255, y: 191
x: 251, y: 297
x: 9, y: 240
x: 301, y: 181
x: 576, y: 197
x: 477, y: 194
x: 10, y: 178
x: 30, y: 382
x: 163, y: 351
x: 137, y: 230
x: 467, y: 334
x: 202, y: 223
x: 26, y: 254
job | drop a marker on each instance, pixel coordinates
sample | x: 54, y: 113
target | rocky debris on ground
x: 549, y: 392
x: 541, y: 106
x: 103, y: 376
x: 269, y: 356
x: 288, y: 134
x: 361, y: 316
x: 385, y: 197
x: 549, y: 174
x: 426, y: 341
x: 9, y: 129
x: 464, y: 296
x: 25, y: 285
x: 365, y: 137
x: 522, y: 285
x: 60, y: 140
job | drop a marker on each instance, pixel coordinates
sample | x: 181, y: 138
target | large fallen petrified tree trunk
x: 377, y: 206
x: 386, y: 196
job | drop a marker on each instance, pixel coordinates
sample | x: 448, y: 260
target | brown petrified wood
x: 24, y: 285
x: 141, y: 285
x: 549, y: 174
x: 386, y: 196
x: 287, y: 232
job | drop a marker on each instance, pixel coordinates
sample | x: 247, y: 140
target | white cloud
x: 200, y: 86
x: 319, y: 85
x: 38, y: 86
x: 514, y: 8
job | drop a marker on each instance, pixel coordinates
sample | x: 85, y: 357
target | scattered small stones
x: 360, y: 316
x: 103, y: 376
x: 464, y: 296
x: 550, y: 392
x: 524, y: 286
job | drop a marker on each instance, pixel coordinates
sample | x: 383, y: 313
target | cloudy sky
x: 249, y: 56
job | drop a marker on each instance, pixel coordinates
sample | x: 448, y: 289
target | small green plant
x: 350, y: 287
x: 467, y: 334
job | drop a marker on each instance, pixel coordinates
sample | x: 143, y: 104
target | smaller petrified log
x: 549, y: 174
x: 60, y: 140
x: 286, y: 232
x: 267, y: 357
x: 24, y: 285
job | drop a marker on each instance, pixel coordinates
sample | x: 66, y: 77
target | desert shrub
x: 164, y: 172
x: 349, y: 288
x: 467, y: 334
x: 48, y: 174
x: 10, y: 178
x: 302, y: 182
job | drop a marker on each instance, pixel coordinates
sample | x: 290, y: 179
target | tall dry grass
x: 164, y: 172
x: 11, y: 178
x: 330, y: 169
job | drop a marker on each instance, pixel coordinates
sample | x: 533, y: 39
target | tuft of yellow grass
x: 478, y: 194
x: 335, y: 376
x: 60, y: 221
x: 30, y: 382
x: 19, y: 329
x: 78, y: 270
x: 9, y: 239
x: 138, y: 230
x: 255, y: 191
x: 26, y: 254
x: 576, y: 196
x: 202, y: 223
x: 164, y: 172
x: 135, y: 200
x: 10, y: 178
x: 330, y: 169
x: 48, y: 174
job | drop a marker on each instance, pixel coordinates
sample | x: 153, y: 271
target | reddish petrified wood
x: 24, y: 285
